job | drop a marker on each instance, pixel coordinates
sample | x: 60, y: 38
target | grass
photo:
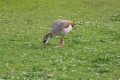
x: 91, y: 50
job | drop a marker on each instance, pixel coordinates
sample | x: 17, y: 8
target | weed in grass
x: 115, y: 17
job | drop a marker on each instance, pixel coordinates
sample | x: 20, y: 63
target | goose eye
x: 44, y: 41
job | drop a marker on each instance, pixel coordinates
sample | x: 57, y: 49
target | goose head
x: 46, y: 37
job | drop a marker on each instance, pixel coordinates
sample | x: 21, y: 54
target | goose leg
x: 61, y: 43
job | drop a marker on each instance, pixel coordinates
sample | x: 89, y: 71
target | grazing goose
x: 59, y: 27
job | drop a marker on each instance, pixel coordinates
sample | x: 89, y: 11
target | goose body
x: 59, y: 27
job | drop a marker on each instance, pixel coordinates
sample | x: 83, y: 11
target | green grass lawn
x: 91, y: 50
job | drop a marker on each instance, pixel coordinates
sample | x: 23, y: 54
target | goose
x: 59, y: 28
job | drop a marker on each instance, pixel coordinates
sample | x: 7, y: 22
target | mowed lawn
x: 91, y: 50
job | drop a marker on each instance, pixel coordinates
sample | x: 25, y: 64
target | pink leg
x: 61, y: 42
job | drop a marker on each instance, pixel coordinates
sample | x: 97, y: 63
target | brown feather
x: 66, y: 25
